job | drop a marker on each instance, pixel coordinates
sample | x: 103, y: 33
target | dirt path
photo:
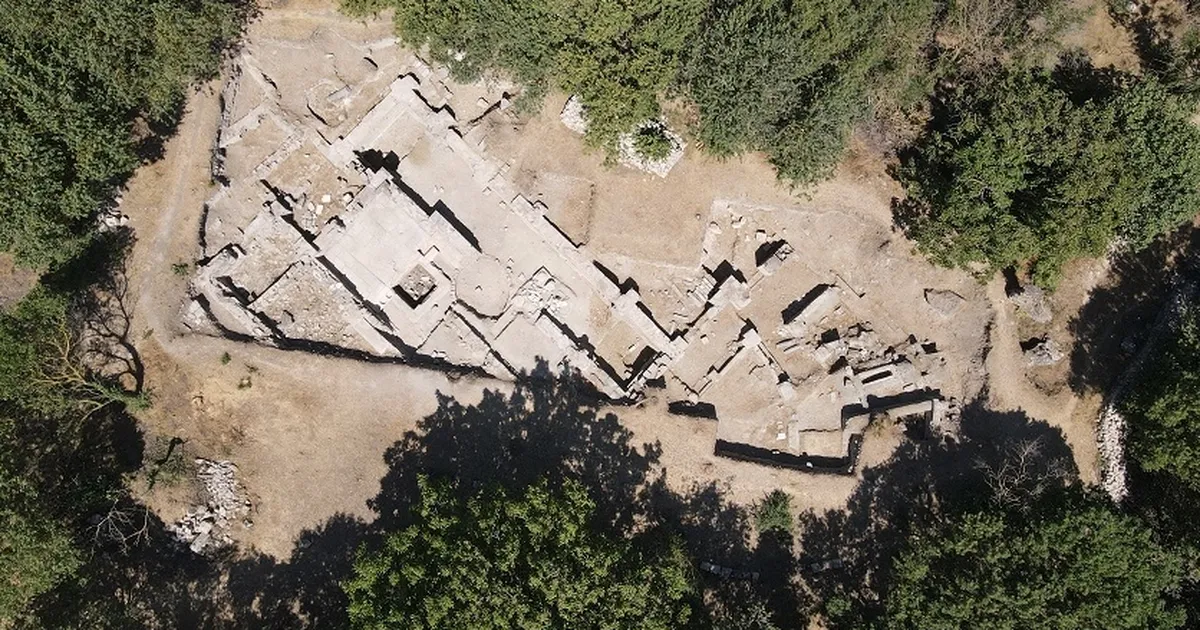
x: 1010, y: 389
x: 164, y: 201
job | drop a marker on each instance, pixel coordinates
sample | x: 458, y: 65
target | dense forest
x: 1012, y: 152
x: 89, y: 88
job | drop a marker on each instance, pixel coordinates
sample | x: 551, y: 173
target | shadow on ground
x: 550, y: 425
x: 1001, y: 456
x: 1111, y: 325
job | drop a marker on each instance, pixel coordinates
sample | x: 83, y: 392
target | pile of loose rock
x: 1033, y: 301
x: 207, y: 526
x: 1042, y: 352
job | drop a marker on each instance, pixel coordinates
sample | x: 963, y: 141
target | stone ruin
x: 574, y: 117
x: 393, y: 234
x: 205, y: 527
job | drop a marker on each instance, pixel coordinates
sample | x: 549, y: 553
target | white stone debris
x: 1111, y: 440
x: 1044, y: 352
x: 206, y: 527
x: 574, y: 116
x: 1032, y: 301
x: 112, y: 220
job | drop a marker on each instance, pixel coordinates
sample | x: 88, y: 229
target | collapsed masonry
x: 394, y: 235
x: 207, y: 526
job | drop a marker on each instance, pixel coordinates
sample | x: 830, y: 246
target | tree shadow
x: 1111, y: 326
x: 305, y: 591
x: 549, y: 426
x: 848, y: 555
x: 159, y: 583
x: 102, y: 308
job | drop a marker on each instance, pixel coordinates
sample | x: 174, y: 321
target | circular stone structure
x: 482, y: 284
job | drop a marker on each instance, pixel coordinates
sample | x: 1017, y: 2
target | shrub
x: 653, y: 143
x: 774, y: 513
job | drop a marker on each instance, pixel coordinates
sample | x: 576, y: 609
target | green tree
x: 1028, y: 167
x: 1163, y: 407
x: 1079, y: 566
x: 530, y: 561
x: 774, y: 513
x: 75, y: 75
x: 792, y: 78
x: 42, y: 367
x: 617, y: 55
x: 36, y: 550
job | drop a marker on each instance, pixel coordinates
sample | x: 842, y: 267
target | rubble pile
x: 1111, y: 439
x: 207, y: 526
x: 1032, y: 301
x: 1043, y: 352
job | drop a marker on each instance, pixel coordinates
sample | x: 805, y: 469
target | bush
x: 1028, y: 167
x: 653, y: 143
x: 1017, y: 33
x: 774, y: 513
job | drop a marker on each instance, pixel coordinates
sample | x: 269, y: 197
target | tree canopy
x: 1032, y: 167
x: 617, y: 56
x: 793, y: 78
x: 1076, y: 567
x: 37, y: 551
x: 75, y: 76
x: 533, y: 560
x: 1163, y: 407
